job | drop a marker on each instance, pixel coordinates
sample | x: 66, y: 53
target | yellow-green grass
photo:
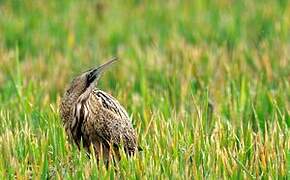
x: 206, y: 83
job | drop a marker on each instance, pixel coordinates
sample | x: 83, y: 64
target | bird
x: 95, y: 120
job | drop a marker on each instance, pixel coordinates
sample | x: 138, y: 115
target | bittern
x: 93, y: 118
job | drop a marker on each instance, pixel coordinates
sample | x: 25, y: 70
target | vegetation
x: 206, y: 83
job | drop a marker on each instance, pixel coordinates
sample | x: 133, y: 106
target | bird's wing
x: 110, y: 103
x: 114, y: 123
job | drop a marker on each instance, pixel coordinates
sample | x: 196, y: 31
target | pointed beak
x: 96, y: 72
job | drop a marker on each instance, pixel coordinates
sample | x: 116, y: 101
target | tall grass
x: 206, y: 83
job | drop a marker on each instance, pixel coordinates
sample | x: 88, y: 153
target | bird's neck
x: 67, y: 103
x: 70, y: 99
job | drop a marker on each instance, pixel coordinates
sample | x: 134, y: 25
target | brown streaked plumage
x: 94, y: 117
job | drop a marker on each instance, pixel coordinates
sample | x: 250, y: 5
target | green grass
x: 206, y: 82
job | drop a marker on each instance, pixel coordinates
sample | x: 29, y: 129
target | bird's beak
x: 95, y: 74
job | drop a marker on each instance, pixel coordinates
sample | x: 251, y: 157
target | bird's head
x: 87, y: 81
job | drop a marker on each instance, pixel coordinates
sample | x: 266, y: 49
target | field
x: 207, y: 84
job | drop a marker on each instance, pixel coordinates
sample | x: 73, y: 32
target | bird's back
x: 110, y: 103
x: 101, y: 120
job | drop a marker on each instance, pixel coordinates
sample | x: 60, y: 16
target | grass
x: 206, y: 83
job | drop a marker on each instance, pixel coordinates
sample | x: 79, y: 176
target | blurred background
x: 184, y: 65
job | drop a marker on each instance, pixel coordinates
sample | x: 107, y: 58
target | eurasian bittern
x: 94, y: 118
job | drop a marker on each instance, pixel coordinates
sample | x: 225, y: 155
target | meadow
x: 207, y: 84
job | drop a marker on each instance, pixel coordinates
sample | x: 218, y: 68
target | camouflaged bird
x: 93, y: 117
